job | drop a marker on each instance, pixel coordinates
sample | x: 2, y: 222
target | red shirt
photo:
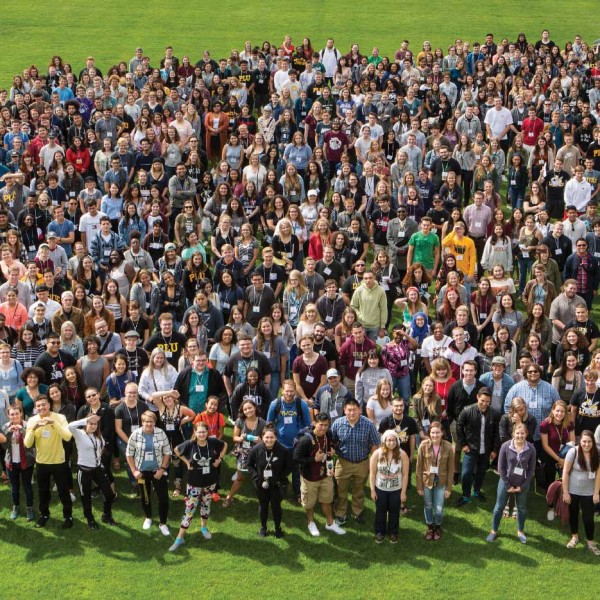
x: 531, y: 130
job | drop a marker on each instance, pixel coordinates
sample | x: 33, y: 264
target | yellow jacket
x: 48, y: 439
x: 464, y: 250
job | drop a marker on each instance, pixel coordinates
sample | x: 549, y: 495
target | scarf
x: 416, y: 332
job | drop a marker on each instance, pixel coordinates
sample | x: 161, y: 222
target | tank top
x: 118, y: 274
x: 115, y: 309
x: 389, y: 476
x: 93, y: 371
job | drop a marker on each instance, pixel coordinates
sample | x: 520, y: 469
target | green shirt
x: 198, y: 391
x: 424, y: 248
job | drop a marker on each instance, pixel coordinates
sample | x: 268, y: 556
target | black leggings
x: 86, y: 477
x: 586, y: 503
x: 161, y: 487
x: 60, y: 473
x: 270, y: 496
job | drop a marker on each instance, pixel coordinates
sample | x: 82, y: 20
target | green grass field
x: 126, y: 562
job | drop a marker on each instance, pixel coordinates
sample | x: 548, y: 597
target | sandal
x: 593, y: 549
x: 227, y: 502
x: 573, y: 542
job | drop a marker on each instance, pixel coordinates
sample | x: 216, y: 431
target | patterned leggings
x: 193, y: 497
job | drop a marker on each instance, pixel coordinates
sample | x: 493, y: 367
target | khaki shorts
x: 312, y: 492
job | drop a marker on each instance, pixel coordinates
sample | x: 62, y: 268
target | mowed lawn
x: 126, y: 562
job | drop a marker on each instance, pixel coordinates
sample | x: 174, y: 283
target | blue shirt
x: 149, y: 465
x: 288, y: 422
x: 539, y: 400
x: 62, y: 230
x: 354, y: 442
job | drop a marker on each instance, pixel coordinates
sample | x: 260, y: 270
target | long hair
x: 566, y: 419
x: 395, y: 451
x: 594, y: 463
x: 409, y: 278
x: 516, y: 402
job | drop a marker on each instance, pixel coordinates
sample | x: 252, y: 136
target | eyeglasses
x: 533, y: 372
x: 91, y: 395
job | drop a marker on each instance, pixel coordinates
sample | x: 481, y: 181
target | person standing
x: 355, y: 437
x: 581, y: 488
x: 46, y: 431
x: 148, y: 456
x: 314, y: 454
x: 269, y: 464
x: 353, y: 354
x: 202, y: 455
x: 434, y: 476
x: 516, y: 465
x: 389, y: 473
x: 477, y: 430
x: 370, y: 303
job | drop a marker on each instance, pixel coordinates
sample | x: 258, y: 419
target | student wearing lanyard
x: 202, y: 455
x: 434, y: 476
x: 127, y: 421
x: 90, y: 447
x: 516, y: 465
x: 148, y: 457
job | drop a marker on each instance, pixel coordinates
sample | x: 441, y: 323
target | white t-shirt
x: 90, y: 226
x: 432, y: 348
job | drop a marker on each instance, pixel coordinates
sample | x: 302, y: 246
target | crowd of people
x: 310, y: 246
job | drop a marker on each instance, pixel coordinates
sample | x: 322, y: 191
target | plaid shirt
x: 582, y: 275
x: 160, y: 443
x: 354, y: 443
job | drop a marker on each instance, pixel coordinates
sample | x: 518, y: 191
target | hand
x: 561, y: 462
x: 217, y: 461
x: 420, y: 492
x: 403, y: 497
x: 137, y: 474
x: 466, y: 449
x: 566, y: 498
x: 382, y: 332
x: 596, y: 498
x: 517, y: 490
x: 159, y: 473
x: 374, y: 495
x: 493, y: 456
x: 93, y: 419
x: 319, y: 456
x: 430, y: 272
x: 447, y: 493
x: 114, y: 403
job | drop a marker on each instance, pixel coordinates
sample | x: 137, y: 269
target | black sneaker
x: 41, y: 522
x: 379, y: 538
x: 91, y: 524
x: 341, y: 520
x: 480, y: 496
x: 67, y: 523
x: 262, y: 532
x: 279, y: 534
x: 359, y: 518
x: 108, y: 520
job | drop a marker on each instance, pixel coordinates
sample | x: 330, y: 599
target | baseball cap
x: 499, y: 360
x: 332, y: 373
x: 312, y: 193
x: 170, y: 246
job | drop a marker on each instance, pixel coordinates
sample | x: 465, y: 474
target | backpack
x: 304, y: 431
x: 279, y: 406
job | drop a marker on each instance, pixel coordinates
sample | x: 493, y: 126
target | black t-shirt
x: 141, y: 325
x: 203, y: 472
x: 471, y: 333
x: 130, y: 416
x: 315, y: 284
x: 588, y: 410
x: 381, y: 220
x: 54, y: 366
x: 172, y: 345
x: 588, y: 328
x: 237, y: 366
x: 438, y: 217
x: 272, y: 275
x: 351, y: 284
x: 334, y: 270
x: 138, y: 361
x: 404, y: 428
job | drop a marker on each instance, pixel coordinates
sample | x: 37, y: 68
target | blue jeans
x: 525, y: 265
x: 473, y: 472
x: 502, y: 498
x: 434, y: 504
x: 372, y: 333
x: 122, y: 451
x: 515, y: 197
x: 275, y: 383
x: 402, y: 386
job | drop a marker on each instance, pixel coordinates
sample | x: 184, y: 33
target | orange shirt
x: 215, y: 422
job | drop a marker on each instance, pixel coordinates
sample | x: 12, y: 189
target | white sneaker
x: 73, y: 497
x: 335, y: 528
x: 147, y: 524
x: 550, y: 515
x: 313, y: 529
x: 164, y: 529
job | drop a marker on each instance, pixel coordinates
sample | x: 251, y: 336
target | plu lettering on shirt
x: 170, y: 347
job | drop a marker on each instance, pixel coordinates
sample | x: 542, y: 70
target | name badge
x: 401, y: 234
x: 256, y: 309
x: 358, y: 363
x: 28, y: 363
x: 459, y: 257
x: 267, y: 473
x: 518, y: 471
x: 329, y: 318
x: 592, y: 475
x: 327, y: 271
x: 533, y: 404
x: 205, y: 470
x: 71, y: 194
x: 568, y: 386
x: 46, y: 433
x: 513, y: 182
x: 273, y: 276
x: 226, y: 305
x: 434, y: 470
x: 267, y: 354
x: 403, y: 363
x: 310, y: 378
x: 200, y: 388
x: 31, y: 248
x: 483, y: 316
x: 333, y: 414
x: 597, y: 254
x: 425, y: 423
x: 558, y: 252
x: 287, y: 420
x: 170, y: 426
x: 168, y: 354
x: 149, y: 456
x: 478, y: 224
x: 354, y: 251
x: 246, y: 445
